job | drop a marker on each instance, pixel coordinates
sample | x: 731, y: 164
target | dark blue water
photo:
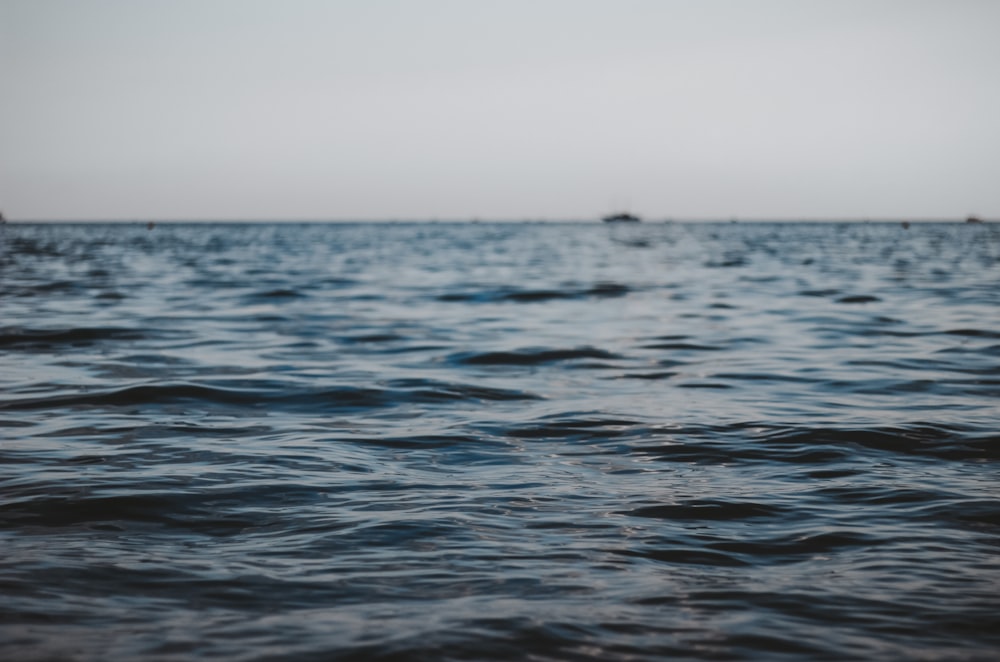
x: 481, y: 442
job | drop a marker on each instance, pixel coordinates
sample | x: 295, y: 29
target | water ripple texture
x: 433, y: 441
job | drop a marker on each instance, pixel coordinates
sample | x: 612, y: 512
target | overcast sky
x: 512, y: 109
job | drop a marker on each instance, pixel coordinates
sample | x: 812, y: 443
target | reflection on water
x: 489, y: 441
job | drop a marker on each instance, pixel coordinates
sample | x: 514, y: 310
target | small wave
x: 148, y: 394
x: 792, y: 547
x: 708, y: 510
x: 728, y: 262
x: 981, y: 514
x: 752, y: 443
x: 280, y: 293
x: 608, y: 290
x: 529, y: 296
x: 428, y: 390
x: 708, y: 385
x: 858, y: 298
x: 880, y: 496
x: 974, y: 333
x: 579, y: 428
x: 45, y: 338
x: 722, y: 453
x: 929, y: 440
x: 527, y: 357
x: 273, y: 394
x: 470, y: 445
x: 193, y: 513
x: 664, y: 374
x: 683, y: 346
x: 991, y: 350
x: 763, y: 377
x: 685, y: 556
x: 372, y: 338
x: 601, y: 290
x: 43, y: 289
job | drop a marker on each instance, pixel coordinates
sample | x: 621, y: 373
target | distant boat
x: 973, y: 219
x: 622, y: 217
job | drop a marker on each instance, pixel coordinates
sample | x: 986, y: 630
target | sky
x: 513, y: 110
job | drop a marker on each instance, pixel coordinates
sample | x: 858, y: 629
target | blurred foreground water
x: 493, y: 441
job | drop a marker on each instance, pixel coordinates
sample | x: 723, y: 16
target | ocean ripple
x: 252, y: 442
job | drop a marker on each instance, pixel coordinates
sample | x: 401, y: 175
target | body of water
x: 251, y: 442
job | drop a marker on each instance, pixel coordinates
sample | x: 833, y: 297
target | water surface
x: 499, y: 441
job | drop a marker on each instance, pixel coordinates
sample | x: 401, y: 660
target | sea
x: 499, y: 441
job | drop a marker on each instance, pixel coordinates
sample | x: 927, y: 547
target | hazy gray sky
x: 378, y: 109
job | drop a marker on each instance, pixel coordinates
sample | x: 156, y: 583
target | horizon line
x: 474, y: 219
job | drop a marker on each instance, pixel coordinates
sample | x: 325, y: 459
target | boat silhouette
x: 621, y: 217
